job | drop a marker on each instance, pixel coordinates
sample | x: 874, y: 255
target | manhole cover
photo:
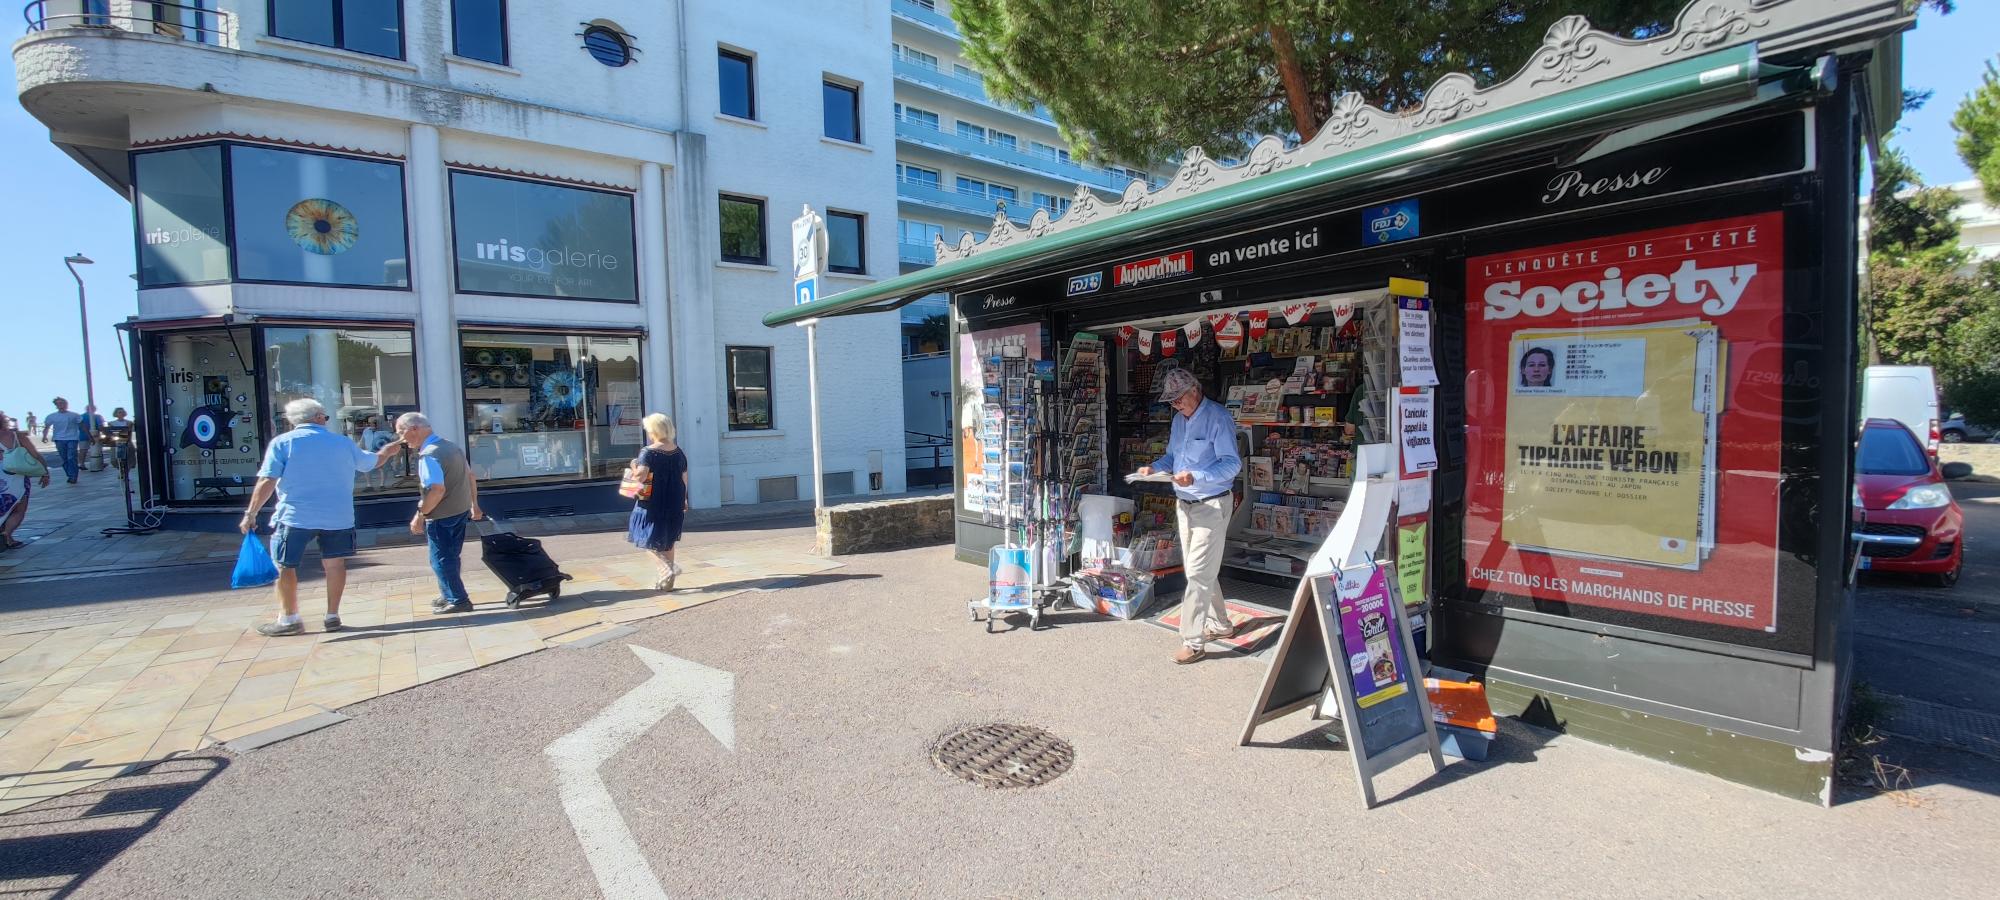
x: 1004, y: 756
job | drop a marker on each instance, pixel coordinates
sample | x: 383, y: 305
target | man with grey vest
x: 450, y: 498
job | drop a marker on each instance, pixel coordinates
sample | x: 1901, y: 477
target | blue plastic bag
x: 254, y: 567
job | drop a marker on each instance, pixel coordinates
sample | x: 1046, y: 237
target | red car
x: 1906, y: 518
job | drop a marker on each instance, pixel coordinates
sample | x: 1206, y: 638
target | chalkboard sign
x: 1348, y: 640
x: 1378, y: 671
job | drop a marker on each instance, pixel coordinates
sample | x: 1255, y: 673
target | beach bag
x: 254, y: 567
x: 19, y: 461
x: 637, y: 483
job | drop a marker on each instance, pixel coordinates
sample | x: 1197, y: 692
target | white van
x: 1907, y: 394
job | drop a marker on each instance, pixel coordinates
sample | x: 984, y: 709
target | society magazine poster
x: 1603, y: 434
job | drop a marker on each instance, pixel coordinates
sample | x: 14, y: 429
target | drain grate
x: 1004, y: 756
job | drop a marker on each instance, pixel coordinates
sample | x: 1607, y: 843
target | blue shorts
x: 288, y: 544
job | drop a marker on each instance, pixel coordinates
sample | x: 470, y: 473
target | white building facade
x: 534, y: 222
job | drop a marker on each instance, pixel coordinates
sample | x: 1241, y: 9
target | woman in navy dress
x: 656, y: 520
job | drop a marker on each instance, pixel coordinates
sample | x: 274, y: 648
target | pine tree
x: 1141, y: 80
x: 1977, y: 122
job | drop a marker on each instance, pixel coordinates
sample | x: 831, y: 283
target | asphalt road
x: 1941, y: 645
x: 843, y: 684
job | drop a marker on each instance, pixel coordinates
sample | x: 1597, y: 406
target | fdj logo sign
x: 1087, y: 283
x: 1391, y: 222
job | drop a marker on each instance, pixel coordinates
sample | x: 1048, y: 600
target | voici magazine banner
x: 1605, y: 431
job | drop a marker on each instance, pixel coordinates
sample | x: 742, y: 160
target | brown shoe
x: 1220, y: 634
x: 1189, y: 654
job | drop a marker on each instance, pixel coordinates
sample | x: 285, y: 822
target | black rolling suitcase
x: 522, y: 565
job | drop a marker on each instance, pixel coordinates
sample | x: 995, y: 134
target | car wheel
x: 1954, y: 436
x: 1945, y: 579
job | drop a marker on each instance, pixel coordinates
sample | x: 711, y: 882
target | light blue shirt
x: 429, y: 470
x: 315, y: 471
x: 1204, y: 444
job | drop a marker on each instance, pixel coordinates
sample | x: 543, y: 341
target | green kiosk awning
x: 1723, y: 76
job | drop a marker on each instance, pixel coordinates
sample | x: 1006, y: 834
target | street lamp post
x: 89, y: 386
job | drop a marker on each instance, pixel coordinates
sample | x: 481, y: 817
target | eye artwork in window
x: 321, y: 226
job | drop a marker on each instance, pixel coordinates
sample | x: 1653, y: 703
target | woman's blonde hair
x: 660, y: 428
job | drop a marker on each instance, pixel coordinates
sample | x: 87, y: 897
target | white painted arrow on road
x: 614, y: 856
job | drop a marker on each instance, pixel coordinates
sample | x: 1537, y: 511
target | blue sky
x: 55, y: 209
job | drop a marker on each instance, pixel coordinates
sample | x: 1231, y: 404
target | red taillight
x: 1936, y: 437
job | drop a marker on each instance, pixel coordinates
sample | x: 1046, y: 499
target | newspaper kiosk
x: 1639, y: 259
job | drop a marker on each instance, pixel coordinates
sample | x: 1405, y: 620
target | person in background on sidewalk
x: 68, y: 430
x: 13, y: 506
x: 311, y: 470
x: 450, y: 499
x: 31, y: 424
x: 656, y: 520
x: 1201, y: 454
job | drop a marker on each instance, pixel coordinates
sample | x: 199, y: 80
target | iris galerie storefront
x: 252, y: 297
x: 1606, y: 310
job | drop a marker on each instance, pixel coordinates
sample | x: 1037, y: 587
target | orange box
x: 1461, y: 703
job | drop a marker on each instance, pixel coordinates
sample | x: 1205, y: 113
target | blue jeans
x: 66, y: 451
x: 447, y: 538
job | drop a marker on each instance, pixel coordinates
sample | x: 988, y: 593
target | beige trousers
x: 1203, y: 527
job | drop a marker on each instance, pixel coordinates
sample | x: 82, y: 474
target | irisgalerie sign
x: 543, y: 240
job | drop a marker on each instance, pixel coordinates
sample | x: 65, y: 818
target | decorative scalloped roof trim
x: 205, y: 136
x: 1572, y: 55
x: 541, y: 176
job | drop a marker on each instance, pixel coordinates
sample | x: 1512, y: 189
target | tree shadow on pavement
x: 50, y: 849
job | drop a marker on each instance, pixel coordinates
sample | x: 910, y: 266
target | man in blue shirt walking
x: 1201, y: 454
x: 311, y: 470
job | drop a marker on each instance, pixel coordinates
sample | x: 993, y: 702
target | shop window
x: 550, y: 407
x: 846, y: 243
x: 743, y: 230
x: 749, y: 388
x: 183, y: 238
x: 312, y: 218
x: 841, y: 111
x: 374, y: 27
x: 737, y: 75
x: 364, y: 377
x: 479, y: 30
x: 211, y: 432
x: 535, y: 239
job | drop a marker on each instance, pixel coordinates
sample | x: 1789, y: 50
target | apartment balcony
x: 929, y: 18
x: 175, y: 21
x: 970, y: 204
x: 916, y: 254
x: 956, y: 85
x: 923, y: 134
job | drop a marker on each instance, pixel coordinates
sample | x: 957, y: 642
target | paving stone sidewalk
x: 84, y: 703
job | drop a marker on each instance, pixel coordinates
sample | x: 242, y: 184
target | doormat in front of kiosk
x: 1255, y: 625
